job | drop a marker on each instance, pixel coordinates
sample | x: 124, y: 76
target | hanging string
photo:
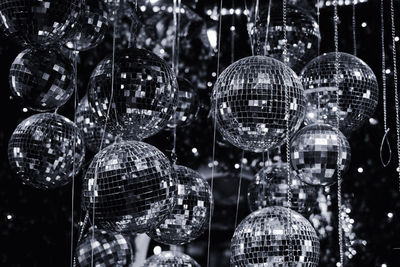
x: 287, y: 116
x: 385, y: 138
x: 319, y: 62
x: 249, y: 30
x: 76, y: 98
x: 239, y: 189
x: 353, y: 21
x: 214, y: 133
x: 233, y: 33
x: 338, y: 163
x: 267, y: 27
x: 396, y: 94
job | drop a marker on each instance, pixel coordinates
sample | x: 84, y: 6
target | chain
x: 353, y: 20
x: 249, y: 31
x: 267, y: 27
x: 256, y: 30
x: 385, y: 136
x: 396, y: 94
x: 339, y: 156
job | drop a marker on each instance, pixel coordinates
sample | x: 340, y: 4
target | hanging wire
x: 267, y: 27
x: 233, y: 33
x: 354, y: 25
x: 214, y: 134
x: 396, y: 94
x: 385, y: 139
x: 338, y: 162
x: 239, y: 189
x: 249, y: 30
x: 287, y: 115
x: 255, y: 30
x: 319, y: 62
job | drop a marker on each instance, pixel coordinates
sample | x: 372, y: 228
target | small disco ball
x: 43, y: 79
x: 314, y: 154
x: 270, y: 187
x: 263, y: 238
x: 129, y: 187
x: 358, y: 91
x: 91, y: 28
x: 41, y: 150
x: 144, y: 97
x: 187, y: 107
x: 249, y: 102
x: 93, y: 131
x: 39, y: 23
x: 171, y: 259
x: 302, y: 31
x: 190, y: 216
x: 104, y: 248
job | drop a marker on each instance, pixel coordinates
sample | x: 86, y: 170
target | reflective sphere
x: 262, y: 239
x: 190, y: 216
x: 93, y: 131
x: 170, y: 259
x: 43, y: 79
x: 145, y: 93
x: 130, y: 187
x: 249, y: 100
x: 41, y: 150
x: 314, y: 154
x: 269, y: 188
x: 91, y: 28
x: 39, y: 23
x: 302, y: 31
x: 187, y: 106
x: 358, y: 91
x: 109, y: 249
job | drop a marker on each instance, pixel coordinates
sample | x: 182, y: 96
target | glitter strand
x: 239, y: 189
x: 267, y: 27
x: 353, y: 21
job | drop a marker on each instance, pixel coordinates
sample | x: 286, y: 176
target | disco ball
x: 190, y: 216
x: 129, y: 187
x: 187, y: 107
x: 263, y: 238
x: 302, y: 31
x: 358, y: 91
x: 41, y: 150
x: 104, y: 248
x: 39, y: 23
x: 249, y: 102
x: 314, y: 154
x: 92, y: 130
x: 145, y: 93
x: 170, y: 259
x: 91, y: 28
x: 270, y: 187
x: 43, y: 79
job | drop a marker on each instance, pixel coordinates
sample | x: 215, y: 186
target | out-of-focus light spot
x: 9, y: 216
x: 390, y: 215
x: 214, y: 74
x: 237, y: 166
x: 162, y: 51
x: 212, y: 37
x: 360, y: 170
x: 364, y: 24
x: 338, y: 264
x: 244, y: 161
x: 143, y: 8
x: 383, y: 265
x: 216, y: 163
x: 209, y: 84
x: 373, y: 121
x: 25, y: 110
x: 157, y: 250
x: 396, y: 38
x: 387, y: 71
x: 194, y: 150
x: 209, y: 12
x: 231, y: 11
x: 233, y: 28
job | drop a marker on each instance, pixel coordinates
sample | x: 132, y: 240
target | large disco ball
x: 189, y: 218
x: 104, y: 248
x: 144, y: 97
x: 270, y: 188
x: 171, y: 259
x: 43, y: 79
x: 129, y: 187
x: 91, y: 27
x: 187, y: 106
x: 263, y: 237
x: 302, y: 31
x: 314, y: 154
x: 94, y: 133
x: 39, y: 23
x: 41, y: 150
x: 358, y: 91
x: 249, y: 102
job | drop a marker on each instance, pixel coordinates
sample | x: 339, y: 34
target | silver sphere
x: 358, y: 91
x: 249, y: 101
x: 263, y: 237
x: 145, y: 93
x: 190, y: 216
x: 129, y: 187
x: 314, y: 154
x: 269, y: 188
x: 170, y: 259
x: 41, y: 150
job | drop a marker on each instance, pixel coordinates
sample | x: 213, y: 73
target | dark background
x: 35, y: 225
